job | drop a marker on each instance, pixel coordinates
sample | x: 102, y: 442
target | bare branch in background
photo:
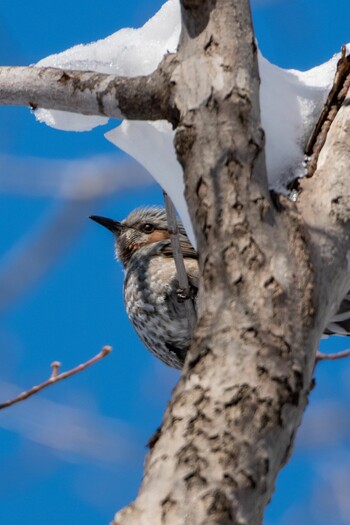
x: 320, y: 356
x: 40, y: 248
x: 92, y: 177
x: 81, y: 184
x: 55, y: 377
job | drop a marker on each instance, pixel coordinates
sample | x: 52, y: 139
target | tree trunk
x: 233, y: 417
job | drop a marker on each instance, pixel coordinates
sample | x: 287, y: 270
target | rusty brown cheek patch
x: 156, y: 236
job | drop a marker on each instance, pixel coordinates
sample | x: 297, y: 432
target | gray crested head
x: 142, y: 227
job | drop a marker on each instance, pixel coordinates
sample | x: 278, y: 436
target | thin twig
x: 179, y: 261
x: 56, y: 365
x: 332, y: 357
x: 55, y: 377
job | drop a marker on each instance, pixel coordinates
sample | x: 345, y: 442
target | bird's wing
x: 190, y: 259
x: 186, y: 248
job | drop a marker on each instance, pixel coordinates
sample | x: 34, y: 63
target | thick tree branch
x: 90, y: 93
x: 325, y: 206
x: 334, y: 101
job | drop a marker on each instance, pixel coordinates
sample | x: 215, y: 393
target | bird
x: 151, y: 288
x: 152, y: 301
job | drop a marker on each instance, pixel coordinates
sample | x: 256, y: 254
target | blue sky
x: 75, y: 453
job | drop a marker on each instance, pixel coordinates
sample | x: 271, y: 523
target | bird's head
x: 142, y: 227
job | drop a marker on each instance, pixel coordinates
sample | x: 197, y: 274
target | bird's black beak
x: 110, y: 224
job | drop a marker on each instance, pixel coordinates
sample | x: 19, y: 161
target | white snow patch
x: 290, y: 103
x: 155, y: 151
x: 128, y: 52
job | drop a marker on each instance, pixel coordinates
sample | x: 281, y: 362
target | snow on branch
x: 89, y: 93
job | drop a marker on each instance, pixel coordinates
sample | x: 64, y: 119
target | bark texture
x: 325, y: 207
x: 271, y: 277
x: 231, y: 424
x: 89, y: 93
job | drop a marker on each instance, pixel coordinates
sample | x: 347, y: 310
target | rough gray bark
x: 89, y: 93
x: 270, y: 280
x: 325, y: 207
x: 232, y: 420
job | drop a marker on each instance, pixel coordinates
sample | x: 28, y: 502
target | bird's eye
x: 147, y: 228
